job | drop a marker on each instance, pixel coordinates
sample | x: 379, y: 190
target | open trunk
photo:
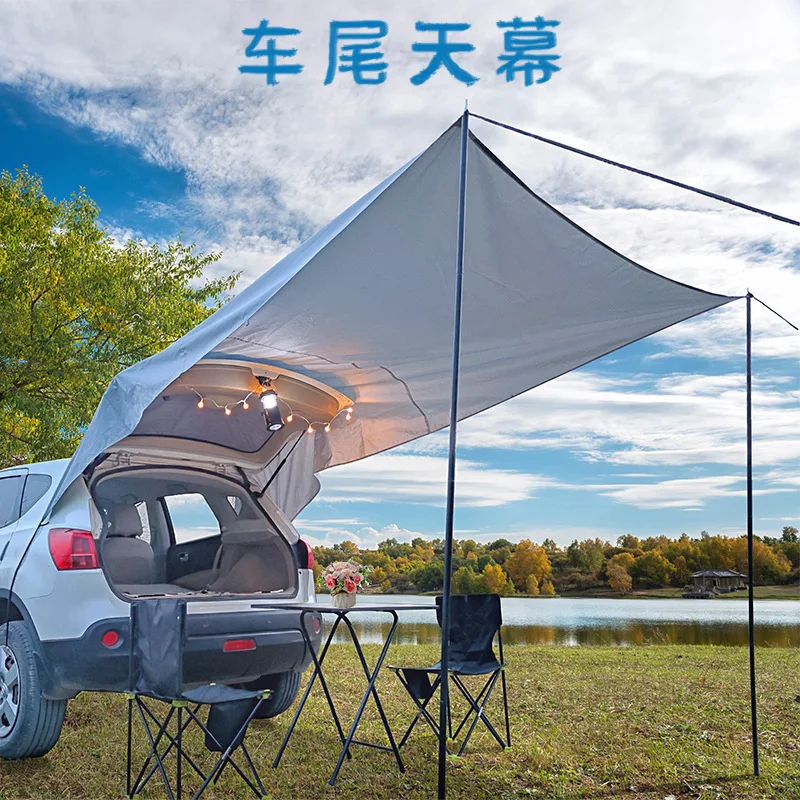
x: 185, y: 531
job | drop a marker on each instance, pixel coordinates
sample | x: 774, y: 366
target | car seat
x: 128, y: 559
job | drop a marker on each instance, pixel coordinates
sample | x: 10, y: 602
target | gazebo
x: 721, y: 580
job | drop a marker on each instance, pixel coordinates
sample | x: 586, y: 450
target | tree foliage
x: 528, y: 568
x: 528, y: 561
x: 78, y: 307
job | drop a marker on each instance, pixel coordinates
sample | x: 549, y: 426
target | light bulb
x: 201, y: 403
x: 328, y: 428
x: 290, y: 418
x: 348, y: 416
x: 269, y: 399
x: 245, y: 405
x: 349, y: 410
x: 310, y: 429
x: 227, y: 411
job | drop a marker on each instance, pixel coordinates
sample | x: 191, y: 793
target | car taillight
x: 309, y: 555
x: 238, y: 645
x: 72, y: 549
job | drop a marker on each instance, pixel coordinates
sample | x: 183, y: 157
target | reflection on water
x: 583, y: 621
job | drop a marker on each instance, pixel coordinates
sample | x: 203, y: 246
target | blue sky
x: 146, y: 108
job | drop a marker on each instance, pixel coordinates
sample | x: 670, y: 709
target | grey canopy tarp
x: 366, y: 306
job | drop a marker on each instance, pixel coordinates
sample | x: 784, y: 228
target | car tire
x: 283, y: 687
x: 29, y: 723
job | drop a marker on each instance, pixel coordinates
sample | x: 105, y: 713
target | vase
x: 343, y: 600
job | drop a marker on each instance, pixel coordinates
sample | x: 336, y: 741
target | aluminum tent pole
x: 444, y: 692
x: 750, y: 616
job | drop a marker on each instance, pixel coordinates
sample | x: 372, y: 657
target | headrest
x: 247, y: 532
x: 126, y: 522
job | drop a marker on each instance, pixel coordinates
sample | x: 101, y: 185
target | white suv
x: 128, y: 530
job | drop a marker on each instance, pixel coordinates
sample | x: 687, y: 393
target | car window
x: 191, y: 517
x: 35, y: 489
x: 9, y: 499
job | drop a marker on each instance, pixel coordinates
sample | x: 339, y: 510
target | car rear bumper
x: 70, y: 666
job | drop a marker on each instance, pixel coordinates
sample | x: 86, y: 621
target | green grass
x: 597, y: 722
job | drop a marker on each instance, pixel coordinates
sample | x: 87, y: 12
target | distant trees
x: 619, y: 579
x: 652, y: 569
x: 528, y: 566
x: 495, y: 580
x: 532, y: 569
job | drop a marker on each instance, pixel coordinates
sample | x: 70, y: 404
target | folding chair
x: 156, y: 681
x: 474, y: 622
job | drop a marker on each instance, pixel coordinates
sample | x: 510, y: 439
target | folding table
x: 342, y: 616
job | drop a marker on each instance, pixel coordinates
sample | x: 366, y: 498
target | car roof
x: 54, y: 468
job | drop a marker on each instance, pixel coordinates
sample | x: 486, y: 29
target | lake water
x: 603, y: 621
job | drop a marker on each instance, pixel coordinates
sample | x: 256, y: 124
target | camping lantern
x: 272, y: 414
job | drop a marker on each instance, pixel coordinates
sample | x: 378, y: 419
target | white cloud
x: 366, y: 537
x: 688, y: 494
x: 401, y: 478
x: 643, y: 420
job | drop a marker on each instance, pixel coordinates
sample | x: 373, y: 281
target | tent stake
x: 444, y: 693
x: 750, y: 617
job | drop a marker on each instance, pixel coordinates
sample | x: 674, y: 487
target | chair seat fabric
x: 220, y: 693
x: 463, y: 669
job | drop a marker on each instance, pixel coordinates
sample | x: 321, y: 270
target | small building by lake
x: 719, y: 580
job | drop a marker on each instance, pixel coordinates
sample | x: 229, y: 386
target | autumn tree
x: 769, y: 566
x: 528, y: 561
x: 681, y: 575
x: 495, y: 580
x: 77, y: 308
x: 619, y: 578
x: 618, y: 572
x: 652, y: 568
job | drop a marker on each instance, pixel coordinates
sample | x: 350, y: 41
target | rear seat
x: 249, y: 560
x: 127, y: 558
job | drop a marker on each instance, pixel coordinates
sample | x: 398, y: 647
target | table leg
x: 371, y: 690
x: 318, y: 661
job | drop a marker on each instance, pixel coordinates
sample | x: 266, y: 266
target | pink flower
x: 357, y: 578
x: 349, y: 586
x: 330, y: 582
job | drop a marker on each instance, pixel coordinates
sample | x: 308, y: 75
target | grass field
x: 640, y: 723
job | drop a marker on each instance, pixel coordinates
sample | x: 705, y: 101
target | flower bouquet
x: 344, y: 579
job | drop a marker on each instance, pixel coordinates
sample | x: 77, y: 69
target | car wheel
x: 283, y: 688
x: 29, y: 723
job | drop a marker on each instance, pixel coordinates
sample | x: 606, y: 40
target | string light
x: 271, y: 404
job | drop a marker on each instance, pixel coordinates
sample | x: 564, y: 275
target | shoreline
x: 779, y: 592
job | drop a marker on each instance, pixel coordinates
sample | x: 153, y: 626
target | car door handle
x: 183, y: 558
